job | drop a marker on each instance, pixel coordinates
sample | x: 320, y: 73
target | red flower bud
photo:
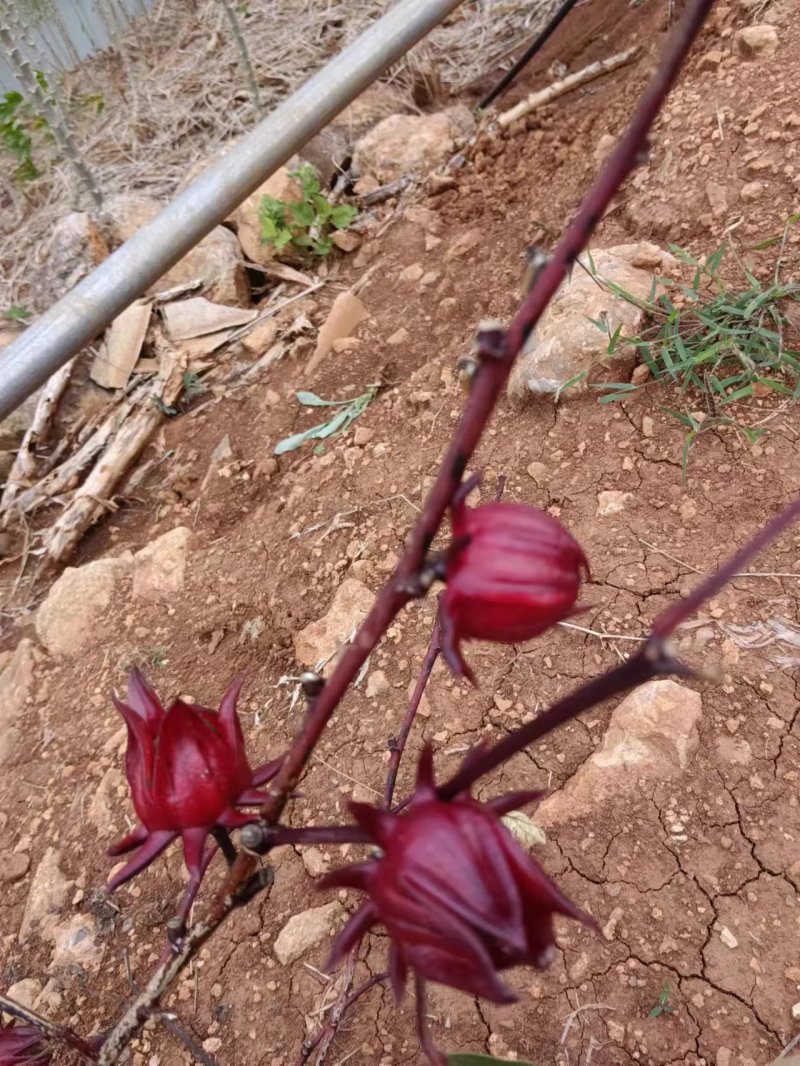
x: 21, y: 1045
x: 460, y: 899
x: 512, y: 572
x: 188, y: 771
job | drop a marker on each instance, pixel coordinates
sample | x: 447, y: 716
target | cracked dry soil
x: 693, y: 881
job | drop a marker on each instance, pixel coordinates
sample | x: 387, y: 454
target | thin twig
x: 60, y: 1033
x: 399, y: 747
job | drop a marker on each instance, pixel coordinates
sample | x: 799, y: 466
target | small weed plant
x: 663, y: 1006
x: 306, y: 225
x: 347, y: 411
x: 722, y: 344
x: 17, y: 122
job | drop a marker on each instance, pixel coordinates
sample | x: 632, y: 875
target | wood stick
x: 25, y: 463
x: 566, y: 85
x: 92, y: 499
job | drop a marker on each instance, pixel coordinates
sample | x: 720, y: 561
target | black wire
x: 529, y: 53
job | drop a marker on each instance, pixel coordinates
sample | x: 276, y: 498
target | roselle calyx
x: 460, y: 899
x: 188, y: 772
x: 22, y: 1045
x: 512, y: 572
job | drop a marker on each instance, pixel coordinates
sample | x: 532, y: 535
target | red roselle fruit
x: 512, y: 572
x: 188, y: 771
x: 21, y: 1045
x: 460, y: 899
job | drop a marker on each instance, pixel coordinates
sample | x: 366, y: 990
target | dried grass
x: 174, y: 90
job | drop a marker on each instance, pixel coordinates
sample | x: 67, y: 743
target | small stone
x: 538, y: 471
x: 344, y: 317
x: 377, y: 684
x: 717, y: 196
x: 612, y: 502
x: 76, y: 946
x: 69, y: 620
x: 501, y: 704
x: 727, y: 938
x: 711, y: 60
x: 610, y: 928
x: 99, y: 812
x: 464, y: 244
x: 753, y: 190
x: 159, y: 569
x: 321, y: 640
x: 16, y: 688
x: 604, y: 147
x: 412, y: 273
x: 13, y: 866
x: 641, y: 374
x: 796, y: 1010
x: 400, y: 336
x: 212, y: 1045
x: 48, y: 894
x: 314, y: 861
x: 26, y: 992
x: 648, y: 428
x: 757, y: 42
x: 724, y: 1054
x: 304, y: 931
x: 363, y: 436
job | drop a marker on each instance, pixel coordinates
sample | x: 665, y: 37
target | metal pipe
x: 80, y: 316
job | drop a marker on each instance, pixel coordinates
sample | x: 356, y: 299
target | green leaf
x: 282, y: 238
x: 303, y: 213
x: 343, y: 216
x: 310, y: 399
x: 656, y: 1011
x: 297, y: 440
x: 473, y: 1058
x: 524, y: 829
x: 17, y: 314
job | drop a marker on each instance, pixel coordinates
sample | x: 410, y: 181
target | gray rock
x: 566, y: 344
x: 67, y: 621
x: 411, y: 144
x: 159, y: 570
x: 304, y: 931
x: 16, y: 686
x: 756, y: 42
x: 652, y: 736
x: 47, y: 896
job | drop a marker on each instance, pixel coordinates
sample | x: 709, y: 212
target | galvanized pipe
x: 82, y: 315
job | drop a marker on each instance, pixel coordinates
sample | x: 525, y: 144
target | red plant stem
x: 328, y: 1031
x: 323, y: 834
x: 653, y: 660
x: 498, y: 353
x: 58, y: 1033
x: 428, y: 663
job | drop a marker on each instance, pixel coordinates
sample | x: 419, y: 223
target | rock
x: 26, y: 992
x: 16, y: 687
x: 753, y: 190
x: 344, y: 317
x: 411, y: 273
x: 399, y: 337
x: 411, y: 144
x: 159, y: 570
x: 711, y: 60
x: 261, y: 337
x: 424, y: 217
x: 322, y: 639
x: 648, y: 426
x: 13, y: 866
x: 604, y: 148
x: 48, y: 893
x: 99, y: 812
x: 717, y: 196
x: 538, y: 471
x: 377, y: 684
x: 756, y: 42
x: 346, y: 242
x: 305, y: 931
x: 652, y: 736
x: 314, y: 861
x: 727, y: 938
x: 68, y: 620
x: 464, y: 244
x: 566, y: 344
x: 74, y: 249
x: 248, y: 227
x: 75, y: 945
x: 612, y: 502
x: 215, y: 261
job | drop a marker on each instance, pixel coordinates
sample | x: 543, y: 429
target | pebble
x: 13, y: 867
x: 727, y: 938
